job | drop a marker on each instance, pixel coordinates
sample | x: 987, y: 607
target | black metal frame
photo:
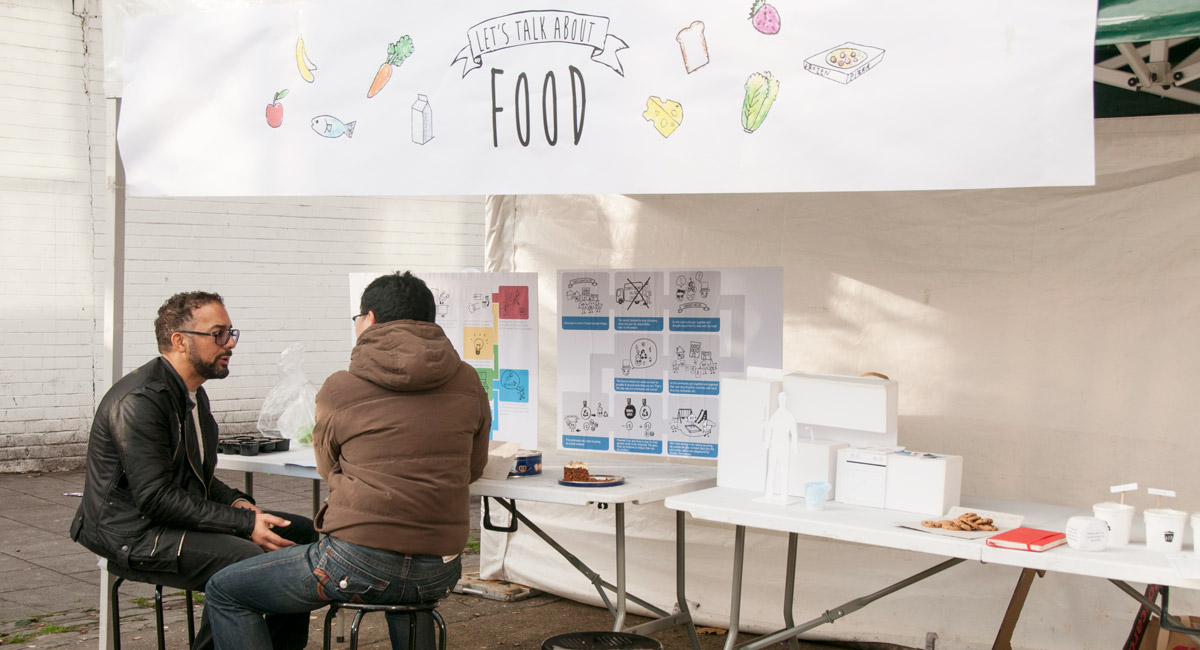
x: 115, y: 615
x: 362, y: 608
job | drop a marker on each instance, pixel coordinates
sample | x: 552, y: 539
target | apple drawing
x: 275, y: 110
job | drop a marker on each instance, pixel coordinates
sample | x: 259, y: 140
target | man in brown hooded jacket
x: 398, y: 437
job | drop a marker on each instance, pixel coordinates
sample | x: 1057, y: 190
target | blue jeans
x: 306, y: 577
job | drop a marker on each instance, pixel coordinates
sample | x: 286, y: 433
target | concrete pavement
x: 49, y: 585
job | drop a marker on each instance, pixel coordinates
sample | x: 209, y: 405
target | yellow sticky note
x: 666, y: 116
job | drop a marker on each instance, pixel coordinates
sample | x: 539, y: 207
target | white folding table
x: 298, y: 462
x: 644, y: 483
x: 879, y: 527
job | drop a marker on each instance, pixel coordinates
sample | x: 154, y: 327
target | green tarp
x: 1128, y: 21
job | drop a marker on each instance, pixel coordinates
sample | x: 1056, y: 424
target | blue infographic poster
x: 641, y: 354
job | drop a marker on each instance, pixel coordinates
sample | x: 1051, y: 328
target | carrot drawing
x: 397, y: 53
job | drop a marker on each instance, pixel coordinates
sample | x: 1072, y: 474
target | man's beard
x: 208, y: 369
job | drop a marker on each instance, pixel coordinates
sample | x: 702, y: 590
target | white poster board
x: 375, y: 97
x: 641, y: 353
x: 491, y: 318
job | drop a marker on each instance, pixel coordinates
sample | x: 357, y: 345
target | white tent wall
x: 281, y: 264
x: 1046, y: 335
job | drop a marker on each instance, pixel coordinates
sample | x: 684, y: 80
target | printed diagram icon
x: 643, y: 353
x: 635, y: 293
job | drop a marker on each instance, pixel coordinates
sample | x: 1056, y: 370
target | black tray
x: 251, y: 445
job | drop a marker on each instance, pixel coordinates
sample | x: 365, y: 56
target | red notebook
x: 1027, y: 539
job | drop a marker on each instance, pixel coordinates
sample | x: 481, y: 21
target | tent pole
x: 114, y: 246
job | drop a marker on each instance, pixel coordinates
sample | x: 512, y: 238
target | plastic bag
x: 290, y: 409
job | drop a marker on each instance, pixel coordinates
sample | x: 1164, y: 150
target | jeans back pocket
x: 341, y: 579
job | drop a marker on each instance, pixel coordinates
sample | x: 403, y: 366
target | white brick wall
x: 281, y: 264
x: 282, y: 268
x: 47, y: 298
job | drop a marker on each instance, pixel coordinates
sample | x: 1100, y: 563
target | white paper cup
x: 1196, y: 532
x: 1119, y: 518
x: 1165, y: 528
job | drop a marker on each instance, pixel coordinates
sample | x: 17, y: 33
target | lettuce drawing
x: 761, y: 89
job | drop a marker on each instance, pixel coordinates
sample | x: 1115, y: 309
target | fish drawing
x: 331, y: 127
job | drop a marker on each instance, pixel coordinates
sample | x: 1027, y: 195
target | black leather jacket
x: 145, y: 487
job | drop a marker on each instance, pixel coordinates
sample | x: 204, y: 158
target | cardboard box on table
x: 831, y: 411
x: 930, y: 484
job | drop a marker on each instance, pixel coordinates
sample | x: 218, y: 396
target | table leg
x: 1149, y: 604
x: 599, y: 583
x: 680, y: 579
x: 316, y: 497
x: 790, y: 587
x: 249, y: 483
x: 619, y: 619
x: 684, y: 615
x: 735, y: 599
x: 842, y: 610
x: 1009, y: 623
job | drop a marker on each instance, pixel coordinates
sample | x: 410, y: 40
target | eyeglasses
x: 354, y: 319
x: 221, y: 337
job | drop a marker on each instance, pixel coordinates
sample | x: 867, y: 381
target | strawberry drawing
x: 765, y: 17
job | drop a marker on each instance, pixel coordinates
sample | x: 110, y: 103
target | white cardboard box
x: 816, y: 460
x: 930, y: 484
x: 746, y: 404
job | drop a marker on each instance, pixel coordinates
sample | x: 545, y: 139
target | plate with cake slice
x: 576, y: 474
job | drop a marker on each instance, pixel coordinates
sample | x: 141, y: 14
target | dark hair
x: 398, y: 296
x: 176, y: 313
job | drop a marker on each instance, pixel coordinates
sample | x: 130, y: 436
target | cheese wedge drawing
x: 666, y: 115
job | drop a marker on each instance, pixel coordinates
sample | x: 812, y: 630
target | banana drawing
x: 303, y: 64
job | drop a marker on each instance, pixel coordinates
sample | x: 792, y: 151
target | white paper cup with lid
x: 1119, y: 517
x: 1165, y: 528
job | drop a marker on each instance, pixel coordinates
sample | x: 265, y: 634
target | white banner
x: 371, y: 97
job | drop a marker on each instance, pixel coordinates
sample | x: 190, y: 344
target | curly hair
x: 176, y: 313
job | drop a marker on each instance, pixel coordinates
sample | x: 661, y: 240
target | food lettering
x: 522, y: 111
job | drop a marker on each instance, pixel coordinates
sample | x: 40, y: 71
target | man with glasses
x: 151, y: 505
x: 399, y: 436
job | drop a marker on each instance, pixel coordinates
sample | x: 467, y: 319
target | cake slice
x: 576, y: 471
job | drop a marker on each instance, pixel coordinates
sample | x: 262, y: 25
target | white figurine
x: 783, y: 438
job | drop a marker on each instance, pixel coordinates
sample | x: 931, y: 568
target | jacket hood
x: 404, y: 355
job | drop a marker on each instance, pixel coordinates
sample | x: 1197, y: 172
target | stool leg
x: 412, y: 630
x: 158, y: 617
x: 191, y: 620
x: 115, y: 609
x: 328, y: 623
x: 441, y: 628
x: 354, y: 628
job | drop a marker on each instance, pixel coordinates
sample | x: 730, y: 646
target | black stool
x: 115, y: 613
x: 592, y: 640
x: 362, y: 608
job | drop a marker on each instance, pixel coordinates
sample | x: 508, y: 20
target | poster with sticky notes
x: 491, y: 318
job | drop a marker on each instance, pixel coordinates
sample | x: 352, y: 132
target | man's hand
x: 264, y: 537
x: 244, y: 504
